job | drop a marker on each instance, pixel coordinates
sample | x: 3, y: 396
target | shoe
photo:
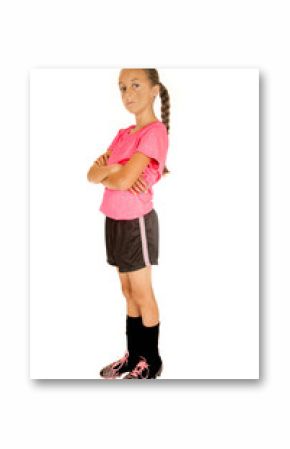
x: 116, y: 369
x: 131, y: 357
x: 143, y: 370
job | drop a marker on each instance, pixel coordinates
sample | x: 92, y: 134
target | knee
x: 141, y: 297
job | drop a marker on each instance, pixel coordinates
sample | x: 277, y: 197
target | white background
x: 207, y: 280
x: 204, y: 414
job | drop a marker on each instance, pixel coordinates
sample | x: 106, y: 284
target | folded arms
x: 117, y: 176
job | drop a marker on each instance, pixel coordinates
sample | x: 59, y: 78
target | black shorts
x: 132, y: 244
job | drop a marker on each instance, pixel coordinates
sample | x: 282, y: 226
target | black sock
x: 150, y: 336
x: 133, y: 332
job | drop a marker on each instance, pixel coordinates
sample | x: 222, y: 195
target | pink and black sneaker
x: 143, y: 370
x: 126, y: 363
x: 116, y: 369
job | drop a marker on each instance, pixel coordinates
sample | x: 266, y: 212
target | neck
x: 141, y: 123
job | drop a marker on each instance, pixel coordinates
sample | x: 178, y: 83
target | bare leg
x: 142, y: 294
x: 133, y: 308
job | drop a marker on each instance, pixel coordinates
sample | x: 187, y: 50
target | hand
x: 139, y: 186
x: 102, y: 160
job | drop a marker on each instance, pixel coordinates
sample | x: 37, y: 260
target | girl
x: 134, y: 162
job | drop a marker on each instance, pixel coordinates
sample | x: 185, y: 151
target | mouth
x: 131, y: 102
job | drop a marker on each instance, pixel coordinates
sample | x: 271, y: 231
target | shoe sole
x: 111, y: 378
x: 154, y: 377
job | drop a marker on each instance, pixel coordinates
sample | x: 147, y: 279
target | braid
x: 153, y: 76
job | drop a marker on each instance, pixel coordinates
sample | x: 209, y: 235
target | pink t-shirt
x: 152, y: 140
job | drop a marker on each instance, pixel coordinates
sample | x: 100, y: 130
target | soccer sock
x: 150, y: 336
x: 133, y: 332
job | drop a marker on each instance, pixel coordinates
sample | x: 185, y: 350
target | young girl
x: 134, y: 162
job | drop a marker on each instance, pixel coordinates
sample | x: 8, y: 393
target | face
x: 136, y: 91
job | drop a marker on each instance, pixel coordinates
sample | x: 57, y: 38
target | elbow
x: 89, y: 176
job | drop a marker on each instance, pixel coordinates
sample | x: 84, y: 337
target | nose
x: 128, y: 101
x: 128, y: 97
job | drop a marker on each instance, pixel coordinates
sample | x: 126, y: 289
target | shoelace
x: 139, y: 368
x: 121, y: 361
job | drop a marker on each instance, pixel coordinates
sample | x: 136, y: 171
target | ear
x: 156, y: 90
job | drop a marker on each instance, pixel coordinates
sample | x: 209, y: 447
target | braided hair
x: 153, y: 76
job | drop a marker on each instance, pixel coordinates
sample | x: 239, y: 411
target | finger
x: 143, y: 183
x: 140, y: 185
x: 143, y: 186
x: 138, y: 182
x: 136, y: 188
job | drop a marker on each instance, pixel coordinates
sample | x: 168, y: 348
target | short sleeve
x: 154, y: 144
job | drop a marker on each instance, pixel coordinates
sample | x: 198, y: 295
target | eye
x: 134, y: 84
